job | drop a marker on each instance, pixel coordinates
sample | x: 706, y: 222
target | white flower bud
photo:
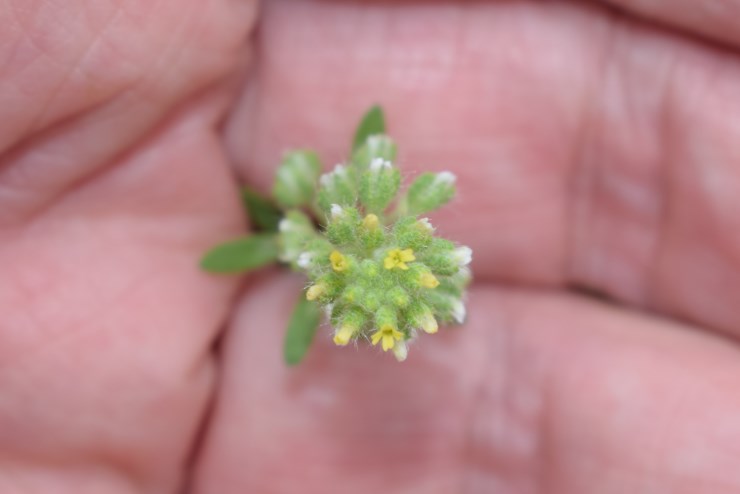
x: 285, y: 225
x: 400, y: 351
x: 447, y: 178
x: 379, y: 164
x: 463, y: 255
x: 304, y: 260
x: 426, y: 224
x: 337, y: 211
x: 458, y: 311
x: 328, y: 309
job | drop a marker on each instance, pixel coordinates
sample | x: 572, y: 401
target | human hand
x: 593, y: 149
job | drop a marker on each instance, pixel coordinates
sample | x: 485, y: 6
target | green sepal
x: 378, y: 186
x: 428, y: 192
x: 342, y: 229
x: 377, y: 146
x: 411, y: 233
x: 439, y: 257
x: 295, y: 182
x: 241, y: 254
x: 337, y: 187
x: 263, y: 214
x: 296, y: 229
x: 372, y: 123
x: 301, y: 330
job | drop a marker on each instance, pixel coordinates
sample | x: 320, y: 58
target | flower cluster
x: 374, y: 264
x: 372, y: 259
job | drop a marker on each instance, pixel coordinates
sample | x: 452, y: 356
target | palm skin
x: 594, y: 148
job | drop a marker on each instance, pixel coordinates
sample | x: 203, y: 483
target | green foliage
x: 295, y: 183
x: 376, y: 146
x: 428, y: 192
x: 241, y: 254
x: 263, y: 214
x: 372, y: 123
x: 301, y: 329
x: 379, y: 185
x: 375, y: 267
x: 338, y: 187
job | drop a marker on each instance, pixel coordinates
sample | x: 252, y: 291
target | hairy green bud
x: 295, y: 183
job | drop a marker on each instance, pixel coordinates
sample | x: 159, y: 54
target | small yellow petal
x: 407, y: 255
x: 388, y: 342
x: 428, y: 280
x: 389, y: 263
x: 376, y: 337
x: 343, y: 336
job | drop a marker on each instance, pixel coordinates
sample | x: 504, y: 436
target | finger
x: 714, y: 19
x: 536, y: 393
x: 81, y: 86
x: 107, y: 322
x: 589, y: 149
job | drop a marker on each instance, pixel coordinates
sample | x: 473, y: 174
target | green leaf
x: 302, y: 326
x: 263, y: 214
x: 241, y: 254
x: 371, y: 124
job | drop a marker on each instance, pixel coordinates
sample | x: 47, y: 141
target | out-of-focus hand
x: 595, y: 148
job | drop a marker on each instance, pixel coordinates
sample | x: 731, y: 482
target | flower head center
x: 397, y: 258
x: 338, y: 261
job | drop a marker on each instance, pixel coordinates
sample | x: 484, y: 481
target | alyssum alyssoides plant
x: 373, y: 264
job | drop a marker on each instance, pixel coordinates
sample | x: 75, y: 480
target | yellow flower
x: 428, y: 280
x: 343, y: 335
x: 398, y: 258
x: 315, y: 291
x: 370, y: 222
x: 389, y: 335
x: 338, y: 261
x: 429, y: 323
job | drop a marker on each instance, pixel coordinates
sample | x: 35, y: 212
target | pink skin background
x: 597, y: 146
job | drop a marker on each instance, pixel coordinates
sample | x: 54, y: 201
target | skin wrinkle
x: 712, y: 20
x: 582, y: 182
x: 200, y: 101
x: 500, y: 397
x: 666, y: 186
x: 59, y: 61
x: 75, y: 67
